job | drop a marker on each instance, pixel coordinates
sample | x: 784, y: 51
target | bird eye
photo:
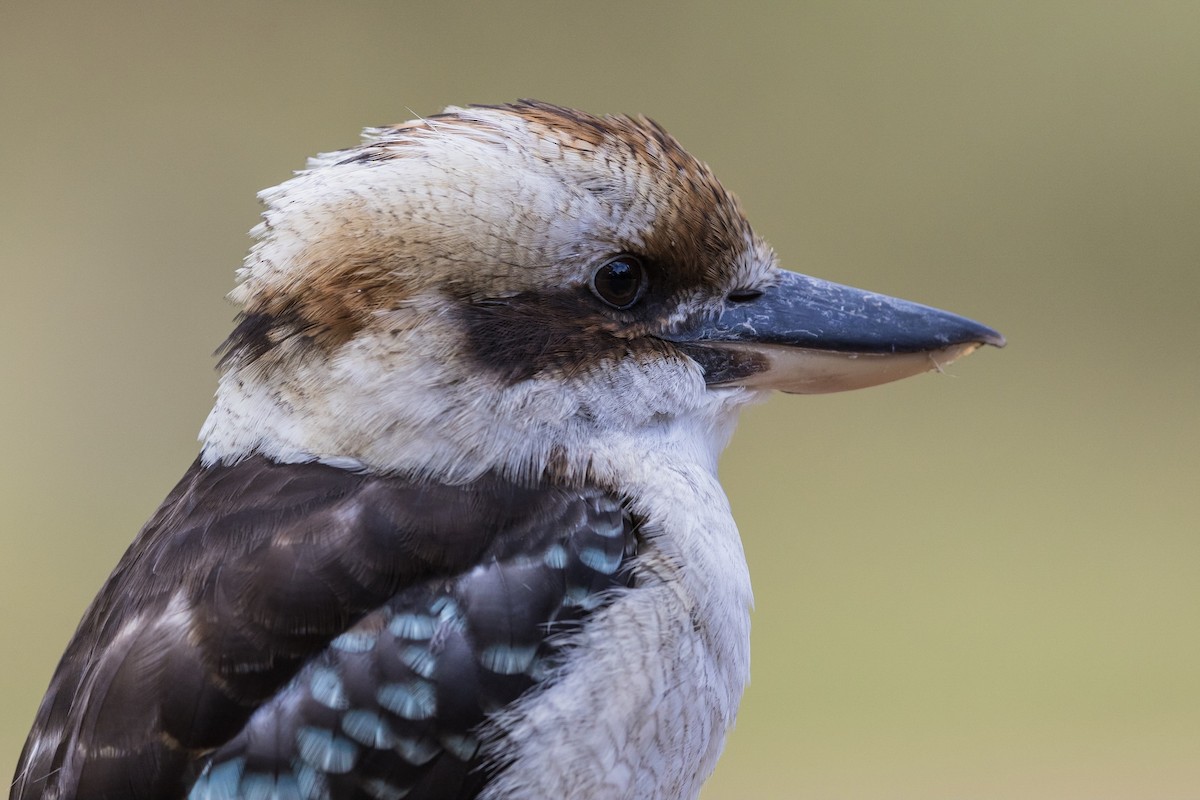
x: 620, y: 282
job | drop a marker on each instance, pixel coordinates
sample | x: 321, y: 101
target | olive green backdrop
x: 983, y: 584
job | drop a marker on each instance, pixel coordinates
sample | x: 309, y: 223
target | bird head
x: 528, y: 288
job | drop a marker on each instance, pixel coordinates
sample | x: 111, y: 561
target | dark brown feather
x: 244, y: 576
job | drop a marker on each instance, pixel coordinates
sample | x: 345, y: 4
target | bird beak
x: 808, y: 336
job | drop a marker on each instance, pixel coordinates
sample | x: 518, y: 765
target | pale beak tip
x: 994, y: 338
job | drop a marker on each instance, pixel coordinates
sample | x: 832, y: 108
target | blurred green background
x: 984, y: 584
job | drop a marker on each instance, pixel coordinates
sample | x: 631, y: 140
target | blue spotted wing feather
x: 392, y: 708
x: 304, y: 631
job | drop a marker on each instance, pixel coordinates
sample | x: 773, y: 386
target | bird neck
x: 366, y: 408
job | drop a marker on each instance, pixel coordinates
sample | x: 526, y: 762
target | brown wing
x: 227, y: 601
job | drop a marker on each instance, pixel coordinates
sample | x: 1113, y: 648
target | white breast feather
x: 645, y: 701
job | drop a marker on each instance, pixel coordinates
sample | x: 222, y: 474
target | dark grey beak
x: 808, y: 336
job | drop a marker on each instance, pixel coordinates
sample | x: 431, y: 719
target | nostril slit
x: 744, y: 295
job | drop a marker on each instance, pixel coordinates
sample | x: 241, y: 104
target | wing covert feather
x: 247, y: 572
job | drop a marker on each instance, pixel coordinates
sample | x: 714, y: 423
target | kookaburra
x: 455, y: 529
